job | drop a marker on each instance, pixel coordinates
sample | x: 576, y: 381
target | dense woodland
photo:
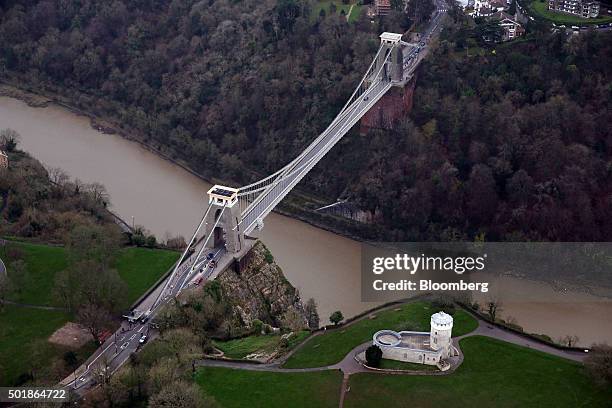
x: 511, y: 143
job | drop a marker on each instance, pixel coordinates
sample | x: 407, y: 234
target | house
x: 511, y: 28
x: 484, y: 8
x: 582, y: 8
x: 4, y: 161
x: 382, y: 7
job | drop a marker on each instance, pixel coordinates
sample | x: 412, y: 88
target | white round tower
x: 441, y: 331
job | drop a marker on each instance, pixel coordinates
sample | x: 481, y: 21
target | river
x: 169, y: 200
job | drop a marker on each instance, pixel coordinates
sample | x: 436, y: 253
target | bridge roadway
x: 117, y: 349
x: 272, y: 195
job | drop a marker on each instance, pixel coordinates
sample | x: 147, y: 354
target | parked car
x: 143, y: 339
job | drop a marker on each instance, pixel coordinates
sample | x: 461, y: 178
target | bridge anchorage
x: 234, y: 213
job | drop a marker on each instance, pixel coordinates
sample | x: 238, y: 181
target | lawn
x: 140, y: 268
x: 540, y: 9
x: 331, y: 347
x: 240, y: 348
x: 325, y: 5
x: 24, y: 331
x: 23, y: 335
x: 249, y: 389
x: 494, y: 373
x: 42, y: 262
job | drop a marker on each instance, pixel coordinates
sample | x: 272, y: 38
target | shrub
x: 336, y: 317
x: 373, y: 355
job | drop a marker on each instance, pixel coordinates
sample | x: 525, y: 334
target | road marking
x: 124, y: 345
x: 133, y: 335
x: 139, y: 330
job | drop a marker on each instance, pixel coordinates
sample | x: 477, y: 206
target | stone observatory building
x: 433, y: 348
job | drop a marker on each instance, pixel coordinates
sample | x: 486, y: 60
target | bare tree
x: 9, y: 139
x: 294, y: 320
x: 181, y: 394
x: 570, y: 341
x: 312, y: 315
x: 599, y: 364
x: 95, y: 318
x: 494, y: 308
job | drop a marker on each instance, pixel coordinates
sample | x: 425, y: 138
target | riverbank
x: 297, y: 205
x: 321, y: 264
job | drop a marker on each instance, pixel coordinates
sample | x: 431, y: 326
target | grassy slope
x: 42, y: 263
x: 20, y: 332
x: 541, y: 10
x: 140, y: 268
x: 494, y: 373
x: 250, y: 389
x: 240, y: 348
x: 23, y: 328
x: 331, y: 347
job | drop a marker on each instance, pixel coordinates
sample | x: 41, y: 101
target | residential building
x: 382, y: 7
x: 4, y: 161
x: 484, y: 8
x: 582, y: 8
x: 511, y: 28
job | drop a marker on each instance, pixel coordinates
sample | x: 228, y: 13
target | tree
x: 181, y: 394
x: 599, y: 364
x: 336, y: 317
x: 165, y: 371
x: 312, y: 315
x: 5, y: 286
x: 9, y: 139
x: 494, y: 306
x: 94, y: 243
x: 293, y: 320
x: 570, y: 341
x: 373, y: 355
x: 95, y: 319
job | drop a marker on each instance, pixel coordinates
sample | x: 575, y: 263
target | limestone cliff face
x: 259, y: 290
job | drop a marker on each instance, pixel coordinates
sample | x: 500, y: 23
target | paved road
x: 125, y: 341
x: 117, y: 349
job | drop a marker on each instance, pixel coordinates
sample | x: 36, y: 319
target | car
x: 210, y: 256
x: 143, y: 339
x: 562, y: 26
x: 366, y: 98
x: 575, y: 28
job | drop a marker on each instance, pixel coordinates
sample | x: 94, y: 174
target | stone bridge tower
x: 223, y: 218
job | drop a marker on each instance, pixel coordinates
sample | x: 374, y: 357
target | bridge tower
x: 222, y: 221
x: 391, y: 42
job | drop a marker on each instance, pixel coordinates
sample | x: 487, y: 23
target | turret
x: 441, y: 331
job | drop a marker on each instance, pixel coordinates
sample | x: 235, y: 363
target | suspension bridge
x: 233, y: 214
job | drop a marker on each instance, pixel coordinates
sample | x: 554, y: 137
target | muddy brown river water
x: 167, y: 199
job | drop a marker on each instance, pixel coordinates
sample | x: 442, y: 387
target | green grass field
x: 42, y: 263
x: 331, y: 347
x: 540, y: 9
x: 325, y: 5
x: 24, y: 331
x: 240, y: 348
x: 23, y: 334
x: 250, y: 389
x: 140, y: 268
x: 494, y: 373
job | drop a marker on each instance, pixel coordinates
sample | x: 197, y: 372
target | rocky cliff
x: 258, y: 289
